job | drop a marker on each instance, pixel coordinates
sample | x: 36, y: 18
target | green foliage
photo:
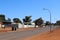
x: 9, y: 20
x: 47, y: 23
x: 2, y: 18
x: 38, y: 22
x: 27, y: 20
x: 57, y: 22
x: 17, y: 20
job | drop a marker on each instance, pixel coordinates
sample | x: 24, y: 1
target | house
x: 24, y: 26
x: 28, y: 26
x: 3, y: 21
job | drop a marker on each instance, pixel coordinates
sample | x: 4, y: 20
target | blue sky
x: 21, y: 8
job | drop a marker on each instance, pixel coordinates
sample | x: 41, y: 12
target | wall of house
x: 24, y: 26
x: 27, y: 26
x: 20, y: 25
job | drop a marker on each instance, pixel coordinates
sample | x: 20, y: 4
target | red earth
x: 54, y: 35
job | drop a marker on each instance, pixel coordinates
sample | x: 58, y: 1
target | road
x: 23, y: 34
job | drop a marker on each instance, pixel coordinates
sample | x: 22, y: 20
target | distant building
x: 3, y: 21
x: 25, y: 26
x: 29, y: 26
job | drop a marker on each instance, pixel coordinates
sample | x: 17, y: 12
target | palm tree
x: 27, y: 20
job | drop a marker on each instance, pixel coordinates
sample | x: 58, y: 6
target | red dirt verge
x: 55, y: 35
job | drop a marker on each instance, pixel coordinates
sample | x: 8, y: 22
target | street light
x: 50, y: 16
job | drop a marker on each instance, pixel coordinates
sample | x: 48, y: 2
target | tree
x: 27, y: 20
x: 47, y: 23
x: 9, y: 20
x: 17, y: 20
x: 57, y: 22
x: 38, y: 22
x: 2, y: 17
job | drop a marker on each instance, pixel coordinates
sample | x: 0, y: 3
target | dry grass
x: 9, y: 29
x: 5, y: 30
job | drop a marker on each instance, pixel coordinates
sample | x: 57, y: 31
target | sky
x: 21, y: 8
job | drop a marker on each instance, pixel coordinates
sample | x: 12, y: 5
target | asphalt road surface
x: 23, y: 34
